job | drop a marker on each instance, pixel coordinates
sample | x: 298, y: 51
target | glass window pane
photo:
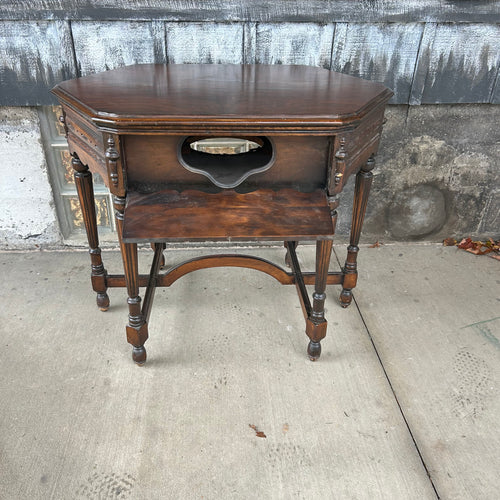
x: 102, y: 212
x: 58, y: 126
x: 65, y: 158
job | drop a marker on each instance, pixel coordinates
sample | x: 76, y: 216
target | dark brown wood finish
x: 197, y: 216
x: 85, y: 189
x: 137, y: 328
x: 134, y: 126
x: 188, y: 97
x: 361, y: 191
x: 316, y: 322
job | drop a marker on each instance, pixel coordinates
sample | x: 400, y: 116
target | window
x: 63, y: 184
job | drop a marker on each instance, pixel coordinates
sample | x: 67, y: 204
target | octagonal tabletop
x: 159, y: 95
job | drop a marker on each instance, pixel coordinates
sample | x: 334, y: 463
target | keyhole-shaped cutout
x: 226, y: 161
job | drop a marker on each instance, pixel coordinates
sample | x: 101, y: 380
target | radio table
x: 310, y: 129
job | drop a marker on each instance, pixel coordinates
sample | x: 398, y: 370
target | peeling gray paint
x: 102, y: 46
x: 33, y: 58
x: 384, y: 53
x: 457, y: 63
x: 215, y: 43
x: 288, y: 43
x: 319, y: 11
x: 422, y: 63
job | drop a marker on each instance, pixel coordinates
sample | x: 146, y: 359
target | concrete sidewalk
x: 403, y: 403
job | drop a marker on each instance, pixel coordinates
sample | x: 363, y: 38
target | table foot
x: 314, y: 350
x: 139, y: 355
x: 103, y: 301
x: 345, y: 297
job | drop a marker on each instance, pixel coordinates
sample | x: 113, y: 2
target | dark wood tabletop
x: 162, y: 93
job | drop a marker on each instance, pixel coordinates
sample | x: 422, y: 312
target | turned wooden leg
x: 361, y: 191
x: 316, y: 322
x: 137, y: 328
x: 84, y: 186
x: 162, y: 261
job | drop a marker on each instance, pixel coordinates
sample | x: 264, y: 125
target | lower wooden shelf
x: 227, y: 216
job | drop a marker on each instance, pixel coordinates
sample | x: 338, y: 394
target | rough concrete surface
x: 27, y: 213
x: 437, y: 175
x: 436, y: 327
x: 227, y: 353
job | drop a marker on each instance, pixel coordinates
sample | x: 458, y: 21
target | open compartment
x: 226, y: 161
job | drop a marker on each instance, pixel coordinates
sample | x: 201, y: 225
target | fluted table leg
x: 316, y: 322
x: 361, y: 191
x: 137, y: 328
x: 85, y: 189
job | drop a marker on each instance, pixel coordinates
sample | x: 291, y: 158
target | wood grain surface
x: 197, y: 216
x: 284, y: 96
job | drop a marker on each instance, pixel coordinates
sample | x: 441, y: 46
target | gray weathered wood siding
x: 33, y: 58
x: 318, y: 11
x: 457, y: 63
x: 427, y: 51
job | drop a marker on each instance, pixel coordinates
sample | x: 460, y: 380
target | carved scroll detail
x: 112, y: 157
x: 340, y: 156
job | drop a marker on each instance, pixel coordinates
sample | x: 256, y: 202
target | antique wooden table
x: 310, y: 129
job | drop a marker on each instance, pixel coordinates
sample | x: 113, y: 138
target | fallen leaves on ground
x: 257, y: 432
x: 489, y: 246
x: 377, y: 244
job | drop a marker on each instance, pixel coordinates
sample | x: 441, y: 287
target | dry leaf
x: 449, y: 242
x: 257, y: 432
x: 377, y: 244
x: 477, y: 247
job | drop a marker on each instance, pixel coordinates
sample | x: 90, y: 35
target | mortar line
x: 401, y: 411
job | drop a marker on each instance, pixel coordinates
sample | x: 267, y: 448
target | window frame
x: 55, y: 145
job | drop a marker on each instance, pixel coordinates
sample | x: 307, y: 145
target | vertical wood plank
x: 294, y: 43
x: 249, y: 43
x: 107, y: 45
x: 457, y: 63
x: 385, y: 53
x: 495, y: 94
x: 205, y: 43
x: 34, y: 57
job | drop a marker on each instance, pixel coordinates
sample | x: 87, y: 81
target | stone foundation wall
x: 437, y: 175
